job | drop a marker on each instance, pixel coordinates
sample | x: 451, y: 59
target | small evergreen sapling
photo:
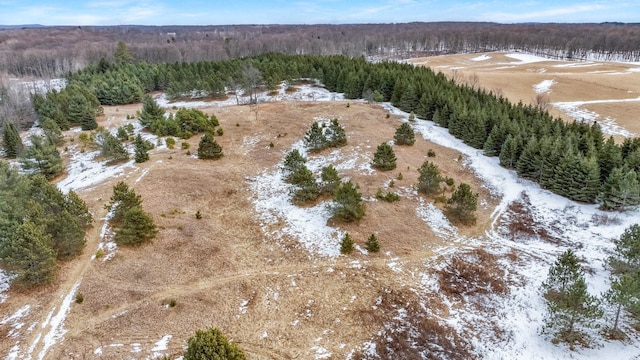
x: 212, y: 344
x: 372, y: 244
x: 208, y: 148
x: 405, y: 135
x: 429, y: 179
x: 346, y: 245
x: 348, y: 205
x: 461, y: 207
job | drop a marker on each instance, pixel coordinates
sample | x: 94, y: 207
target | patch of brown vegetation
x: 474, y: 272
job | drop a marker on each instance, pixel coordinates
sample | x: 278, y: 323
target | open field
x: 607, y: 92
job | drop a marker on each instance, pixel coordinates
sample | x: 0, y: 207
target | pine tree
x: 314, y: 139
x: 27, y: 255
x: 429, y: 179
x: 621, y: 191
x: 347, y: 244
x: 121, y: 201
x: 384, y: 158
x: 335, y: 134
x: 110, y: 147
x: 42, y: 157
x: 81, y: 112
x: 292, y: 162
x: 624, y: 294
x: 151, y: 112
x: 137, y: 227
x: 330, y: 180
x: 52, y: 132
x: 212, y: 344
x: 122, y: 54
x: 609, y: 158
x: 569, y: 305
x: 372, y: 244
x: 529, y: 164
x: 404, y: 135
x: 626, y: 258
x: 348, y: 205
x: 141, y: 149
x: 305, y: 187
x: 209, y: 148
x: 11, y: 141
x: 461, y: 207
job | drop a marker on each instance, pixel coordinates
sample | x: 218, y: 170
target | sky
x: 216, y: 12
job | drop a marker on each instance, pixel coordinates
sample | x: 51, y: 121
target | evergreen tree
x: 335, y: 134
x: 27, y: 255
x: 11, y: 141
x: 529, y: 164
x: 52, y: 132
x: 372, y: 244
x: 621, y: 191
x: 42, y: 157
x: 141, y: 149
x: 347, y: 244
x: 110, y: 147
x: 624, y: 294
x: 314, y: 139
x: 405, y: 135
x: 330, y: 180
x: 569, y: 305
x: 151, y: 112
x: 626, y: 258
x: 384, y: 158
x: 292, y: 162
x: 81, y: 112
x: 609, y: 158
x: 78, y: 208
x: 429, y: 179
x: 209, y: 148
x: 305, y: 186
x: 212, y: 344
x: 137, y: 227
x: 121, y: 201
x: 461, y: 207
x: 348, y: 205
x: 122, y: 54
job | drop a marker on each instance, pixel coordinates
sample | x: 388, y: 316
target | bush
x: 405, y: 135
x: 171, y: 142
x: 198, y: 215
x: 79, y: 298
x: 388, y: 196
x: 431, y: 153
x: 212, y: 344
x: 384, y: 158
x: 219, y: 132
x: 185, y: 145
x: 208, y: 148
x: 461, y: 207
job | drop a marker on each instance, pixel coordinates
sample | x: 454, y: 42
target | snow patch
x: 14, y: 320
x: 161, y: 345
x: 482, y: 57
x: 56, y: 332
x: 5, y: 282
x: 436, y: 220
x: 544, y: 86
x: 526, y: 58
x: 608, y: 124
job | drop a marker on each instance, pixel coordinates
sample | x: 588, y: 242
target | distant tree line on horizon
x: 52, y: 51
x: 571, y: 159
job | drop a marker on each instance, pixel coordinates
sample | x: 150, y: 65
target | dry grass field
x: 276, y: 299
x: 604, y: 86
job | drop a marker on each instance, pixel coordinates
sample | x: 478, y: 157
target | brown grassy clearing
x: 575, y: 81
x: 295, y: 302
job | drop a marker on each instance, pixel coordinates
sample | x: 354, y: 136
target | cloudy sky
x: 215, y: 12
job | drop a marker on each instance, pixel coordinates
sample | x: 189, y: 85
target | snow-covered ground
x: 544, y: 86
x: 608, y: 124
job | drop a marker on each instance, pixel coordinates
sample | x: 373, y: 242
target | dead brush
x: 520, y: 221
x: 474, y: 272
x: 418, y: 335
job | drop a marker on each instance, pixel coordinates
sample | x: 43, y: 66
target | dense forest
x: 52, y: 51
x: 571, y: 159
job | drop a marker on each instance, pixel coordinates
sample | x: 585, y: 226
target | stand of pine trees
x: 571, y: 159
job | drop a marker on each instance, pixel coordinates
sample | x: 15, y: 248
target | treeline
x: 573, y: 160
x: 39, y: 226
x: 52, y: 51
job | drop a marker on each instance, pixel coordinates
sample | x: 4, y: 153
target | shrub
x: 329, y: 180
x: 198, y: 215
x: 271, y: 144
x: 100, y: 254
x: 212, y: 344
x: 404, y: 135
x: 347, y: 244
x: 388, y: 196
x: 173, y: 303
x: 185, y: 145
x: 461, y: 207
x: 429, y: 178
x: 219, y: 132
x: 79, y: 298
x: 171, y: 142
x: 208, y: 148
x: 431, y: 153
x: 138, y: 227
x: 292, y: 162
x: 400, y: 177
